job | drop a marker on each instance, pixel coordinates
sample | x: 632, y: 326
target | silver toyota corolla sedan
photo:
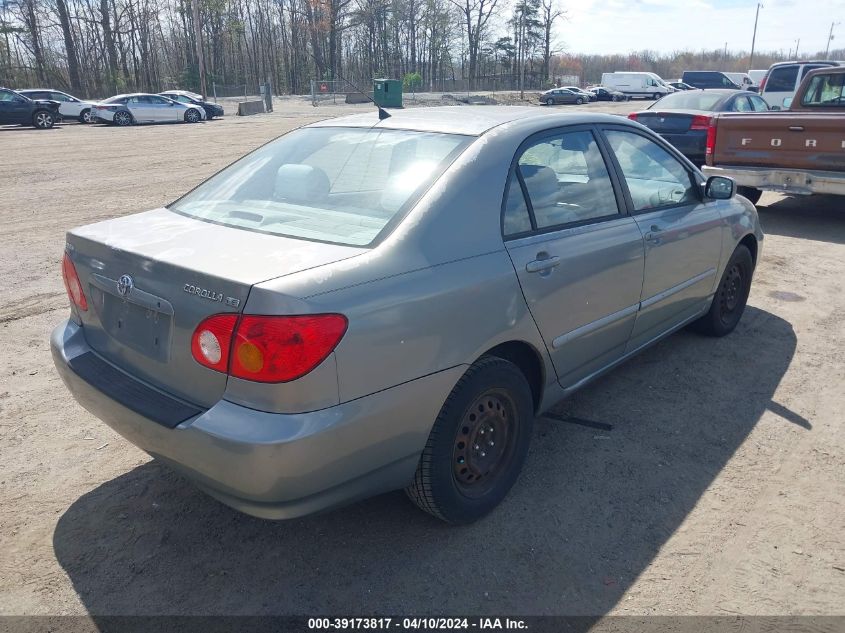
x: 365, y: 305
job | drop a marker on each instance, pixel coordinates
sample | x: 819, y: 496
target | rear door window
x: 758, y: 104
x: 566, y: 180
x: 782, y: 79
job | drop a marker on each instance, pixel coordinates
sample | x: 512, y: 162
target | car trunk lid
x: 151, y: 278
x: 668, y: 122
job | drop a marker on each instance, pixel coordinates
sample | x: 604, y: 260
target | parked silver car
x: 146, y: 108
x: 364, y: 305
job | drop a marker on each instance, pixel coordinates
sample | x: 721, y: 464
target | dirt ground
x: 719, y: 489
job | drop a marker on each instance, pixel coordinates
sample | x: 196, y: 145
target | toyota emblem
x: 125, y: 285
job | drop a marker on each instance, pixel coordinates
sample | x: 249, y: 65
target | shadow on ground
x: 820, y: 218
x: 589, y: 514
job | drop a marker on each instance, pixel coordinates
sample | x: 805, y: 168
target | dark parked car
x: 680, y: 85
x: 18, y: 109
x: 562, y: 95
x: 708, y: 79
x: 183, y: 96
x: 608, y: 94
x: 683, y: 118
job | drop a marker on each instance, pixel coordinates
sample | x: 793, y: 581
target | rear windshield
x: 331, y: 184
x: 689, y: 100
x: 826, y: 91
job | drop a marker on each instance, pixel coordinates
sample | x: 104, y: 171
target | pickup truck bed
x: 800, y: 151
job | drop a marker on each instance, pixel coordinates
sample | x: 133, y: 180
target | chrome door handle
x: 796, y: 128
x: 539, y: 265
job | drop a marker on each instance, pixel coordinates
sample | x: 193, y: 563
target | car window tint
x: 807, y: 68
x: 516, y: 218
x: 758, y: 104
x: 6, y: 96
x: 654, y: 177
x: 741, y: 104
x: 567, y: 180
x: 782, y: 79
x: 58, y: 96
x: 158, y: 100
x: 825, y: 91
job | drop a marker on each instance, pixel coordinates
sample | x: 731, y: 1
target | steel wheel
x: 192, y: 116
x: 43, y: 120
x: 484, y: 443
x: 478, y: 443
x: 731, y: 295
x: 122, y: 118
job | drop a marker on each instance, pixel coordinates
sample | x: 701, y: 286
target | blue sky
x: 620, y: 26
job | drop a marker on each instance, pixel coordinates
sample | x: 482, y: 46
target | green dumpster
x: 387, y: 93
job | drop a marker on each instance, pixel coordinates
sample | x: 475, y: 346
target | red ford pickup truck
x: 800, y: 150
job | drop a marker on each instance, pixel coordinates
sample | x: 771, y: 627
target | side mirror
x: 787, y: 102
x: 720, y: 188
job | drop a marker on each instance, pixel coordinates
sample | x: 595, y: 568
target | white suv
x: 783, y: 78
x: 69, y: 106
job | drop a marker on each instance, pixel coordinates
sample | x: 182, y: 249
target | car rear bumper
x: 276, y: 466
x: 795, y: 181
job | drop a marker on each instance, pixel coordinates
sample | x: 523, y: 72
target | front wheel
x: 478, y: 444
x: 655, y: 96
x: 550, y: 102
x: 579, y: 101
x: 751, y: 193
x: 43, y: 120
x: 85, y: 116
x: 192, y: 116
x: 731, y: 296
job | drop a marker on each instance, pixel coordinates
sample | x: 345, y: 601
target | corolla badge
x: 125, y: 285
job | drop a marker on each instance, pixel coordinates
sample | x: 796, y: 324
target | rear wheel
x: 122, y: 118
x: 85, y: 116
x: 731, y: 296
x: 192, y: 116
x: 478, y: 444
x: 43, y: 120
x: 751, y: 193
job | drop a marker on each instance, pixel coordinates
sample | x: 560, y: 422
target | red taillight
x: 212, y: 341
x: 763, y: 83
x: 284, y: 348
x: 267, y: 348
x: 73, y: 285
x: 711, y: 139
x: 633, y: 116
x: 700, y: 122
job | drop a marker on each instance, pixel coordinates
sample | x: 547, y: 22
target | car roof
x: 468, y: 120
x: 41, y: 90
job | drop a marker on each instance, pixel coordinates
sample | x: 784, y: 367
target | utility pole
x: 830, y: 38
x: 754, y: 37
x: 725, y: 56
x: 797, y: 45
x: 198, y: 39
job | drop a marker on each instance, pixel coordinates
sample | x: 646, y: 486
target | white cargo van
x: 637, y: 84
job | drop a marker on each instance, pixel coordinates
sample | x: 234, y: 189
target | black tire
x: 579, y: 101
x: 462, y: 474
x: 550, y: 101
x: 85, y: 116
x: 192, y: 116
x: 731, y: 296
x: 751, y: 193
x: 122, y: 118
x: 43, y: 119
x: 655, y: 96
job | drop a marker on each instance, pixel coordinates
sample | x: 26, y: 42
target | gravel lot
x: 719, y: 489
